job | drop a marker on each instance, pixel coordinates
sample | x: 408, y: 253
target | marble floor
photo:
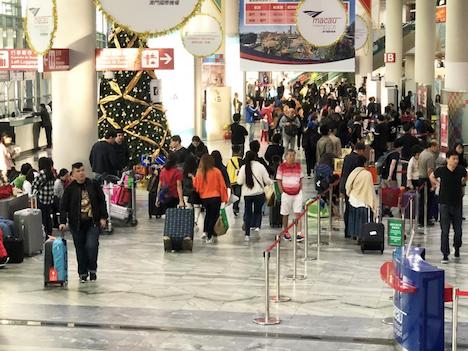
x: 145, y: 299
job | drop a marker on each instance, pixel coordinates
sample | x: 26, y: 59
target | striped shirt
x: 290, y: 176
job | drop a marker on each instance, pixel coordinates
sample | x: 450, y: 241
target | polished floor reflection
x: 145, y: 299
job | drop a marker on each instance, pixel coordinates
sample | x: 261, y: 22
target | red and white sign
x: 390, y: 57
x: 27, y: 60
x: 134, y: 59
x: 281, y: 13
x: 57, y: 60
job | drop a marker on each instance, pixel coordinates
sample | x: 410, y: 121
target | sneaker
x: 287, y: 236
x: 257, y: 229
x: 187, y: 244
x: 83, y: 278
x: 4, y: 261
x: 209, y: 241
x: 445, y: 260
x: 92, y: 276
x: 247, y: 238
x: 167, y: 243
x: 300, y: 238
x: 203, y: 236
x: 457, y: 254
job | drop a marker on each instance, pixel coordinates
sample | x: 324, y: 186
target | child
x: 265, y: 128
x: 232, y: 168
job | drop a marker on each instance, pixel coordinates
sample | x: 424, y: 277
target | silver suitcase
x: 12, y: 204
x: 28, y: 224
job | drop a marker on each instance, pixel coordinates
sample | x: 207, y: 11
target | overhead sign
x: 390, y: 57
x: 321, y: 22
x: 202, y: 35
x: 155, y: 17
x: 27, y: 60
x: 361, y: 32
x: 133, y: 59
x: 40, y: 25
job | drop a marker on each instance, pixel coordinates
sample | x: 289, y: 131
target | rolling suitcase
x: 372, y: 237
x: 28, y: 225
x: 15, y: 249
x: 55, y: 262
x: 276, y: 220
x: 178, y: 229
x: 152, y: 209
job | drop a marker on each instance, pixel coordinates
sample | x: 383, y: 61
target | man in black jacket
x: 84, y: 205
x: 406, y: 142
x: 349, y: 164
x: 197, y: 147
x: 238, y: 133
x: 122, y: 155
x: 102, y: 157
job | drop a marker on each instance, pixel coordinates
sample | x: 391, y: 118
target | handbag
x: 226, y: 215
x: 6, y: 191
x: 270, y: 195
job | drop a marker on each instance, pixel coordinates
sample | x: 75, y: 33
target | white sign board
x: 321, y: 22
x: 40, y: 25
x: 361, y: 32
x: 156, y: 91
x: 150, y: 16
x: 202, y: 35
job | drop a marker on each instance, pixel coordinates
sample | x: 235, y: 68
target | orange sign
x: 441, y: 14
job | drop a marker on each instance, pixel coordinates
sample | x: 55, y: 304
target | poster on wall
x: 40, y: 25
x: 444, y: 126
x: 155, y: 17
x: 202, y: 35
x: 270, y: 39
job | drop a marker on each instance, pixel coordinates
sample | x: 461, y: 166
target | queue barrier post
x: 267, y: 319
x: 278, y: 297
x: 319, y: 241
x: 454, y: 318
x: 330, y: 211
x: 425, y: 206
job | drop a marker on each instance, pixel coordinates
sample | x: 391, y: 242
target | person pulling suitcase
x: 84, y: 205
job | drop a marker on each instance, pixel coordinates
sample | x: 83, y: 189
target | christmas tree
x: 125, y: 103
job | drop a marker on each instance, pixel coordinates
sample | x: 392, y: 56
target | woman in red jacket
x: 210, y: 184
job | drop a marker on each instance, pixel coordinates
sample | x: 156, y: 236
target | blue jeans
x: 253, y: 212
x: 450, y: 215
x: 86, y: 247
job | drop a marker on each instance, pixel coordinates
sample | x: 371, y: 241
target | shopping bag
x: 225, y: 220
x: 277, y: 191
x: 324, y: 212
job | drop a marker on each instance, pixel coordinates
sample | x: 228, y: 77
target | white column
x: 456, y: 52
x: 394, y: 41
x: 74, y: 93
x: 425, y: 42
x: 232, y: 17
x: 199, y: 96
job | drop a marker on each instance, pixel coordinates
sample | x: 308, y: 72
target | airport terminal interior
x: 210, y: 175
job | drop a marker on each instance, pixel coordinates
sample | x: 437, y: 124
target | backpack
x: 290, y: 129
x: 381, y: 163
x: 232, y: 167
x: 323, y: 175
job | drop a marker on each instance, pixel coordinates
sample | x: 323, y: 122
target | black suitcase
x: 276, y: 220
x: 373, y: 237
x: 178, y: 229
x: 152, y: 209
x: 15, y: 248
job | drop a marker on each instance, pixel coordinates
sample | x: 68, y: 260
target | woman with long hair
x: 43, y: 188
x: 218, y: 161
x: 191, y: 197
x: 211, y: 186
x: 170, y: 185
x: 253, y: 177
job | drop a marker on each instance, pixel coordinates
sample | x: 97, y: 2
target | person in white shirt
x: 253, y: 177
x: 413, y: 167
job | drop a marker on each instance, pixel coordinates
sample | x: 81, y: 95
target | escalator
x: 409, y: 32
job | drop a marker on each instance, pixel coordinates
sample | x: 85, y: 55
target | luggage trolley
x: 122, y: 215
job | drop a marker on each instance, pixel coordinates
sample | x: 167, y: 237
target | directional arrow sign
x: 134, y: 60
